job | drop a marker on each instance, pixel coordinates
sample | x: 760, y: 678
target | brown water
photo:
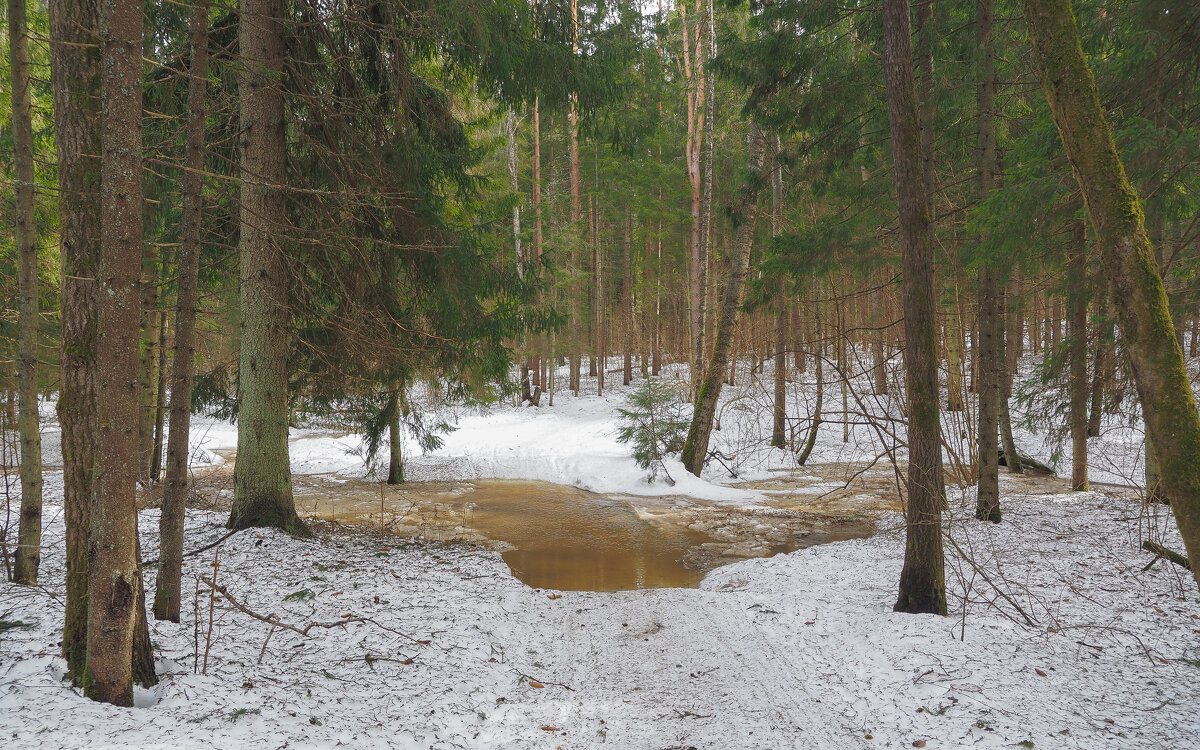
x: 560, y: 537
x: 570, y: 539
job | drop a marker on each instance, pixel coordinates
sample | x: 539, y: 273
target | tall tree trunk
x: 693, y: 148
x: 1127, y: 260
x: 1102, y: 367
x: 574, y: 288
x: 954, y: 359
x: 537, y: 180
x: 75, y: 79
x: 879, y: 374
x: 395, y: 409
x: 112, y: 538
x: 709, y: 99
x: 779, y: 411
x: 511, y: 128
x: 1010, y: 341
x: 922, y: 581
x: 29, y: 535
x: 656, y: 354
x: 1077, y: 300
x: 170, y: 523
x: 147, y: 360
x: 991, y: 328
x: 819, y: 368
x: 262, y: 474
x: 538, y: 381
x: 695, y: 447
x: 627, y: 297
x: 160, y: 388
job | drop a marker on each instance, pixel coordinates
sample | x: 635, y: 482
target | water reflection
x: 559, y: 537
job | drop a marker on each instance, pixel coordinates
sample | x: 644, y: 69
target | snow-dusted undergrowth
x: 799, y: 650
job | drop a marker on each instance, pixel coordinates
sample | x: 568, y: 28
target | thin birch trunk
x: 695, y: 448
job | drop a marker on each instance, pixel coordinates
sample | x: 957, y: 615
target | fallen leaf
x: 424, y: 643
x: 538, y: 685
x: 919, y: 743
x: 549, y: 728
x: 336, y: 593
x: 811, y: 622
x: 554, y: 596
x: 1040, y: 672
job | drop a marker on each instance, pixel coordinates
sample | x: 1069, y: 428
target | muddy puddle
x: 559, y: 537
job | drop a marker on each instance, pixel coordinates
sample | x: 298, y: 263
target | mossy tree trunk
x: 262, y: 474
x: 170, y: 525
x: 922, y: 580
x: 75, y: 81
x: 1127, y: 259
x: 695, y: 446
x: 29, y: 535
x: 114, y: 579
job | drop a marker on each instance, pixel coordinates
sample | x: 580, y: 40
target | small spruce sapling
x: 655, y: 422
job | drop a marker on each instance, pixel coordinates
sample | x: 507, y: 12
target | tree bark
x: 170, y: 524
x: 695, y: 447
x: 990, y: 354
x: 922, y: 581
x: 262, y: 474
x: 1127, y: 260
x: 779, y: 410
x: 147, y: 360
x: 1102, y: 369
x: 627, y: 297
x: 395, y: 438
x: 112, y: 537
x: 75, y: 80
x: 1077, y: 320
x: 29, y: 535
x: 160, y: 388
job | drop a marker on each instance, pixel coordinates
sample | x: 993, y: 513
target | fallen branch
x: 1163, y: 552
x: 274, y: 621
x: 539, y: 681
x: 205, y: 548
x: 983, y: 574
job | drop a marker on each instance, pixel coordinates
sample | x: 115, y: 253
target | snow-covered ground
x: 1058, y: 636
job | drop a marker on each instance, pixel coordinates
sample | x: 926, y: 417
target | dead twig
x: 274, y: 621
x: 531, y: 678
x: 205, y: 548
x: 983, y: 574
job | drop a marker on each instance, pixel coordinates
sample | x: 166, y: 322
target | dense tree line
x: 273, y: 207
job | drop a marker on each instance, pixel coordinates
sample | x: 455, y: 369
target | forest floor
x: 1059, y: 635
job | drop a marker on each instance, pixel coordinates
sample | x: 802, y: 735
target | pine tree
x: 114, y: 580
x: 29, y: 538
x: 922, y: 581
